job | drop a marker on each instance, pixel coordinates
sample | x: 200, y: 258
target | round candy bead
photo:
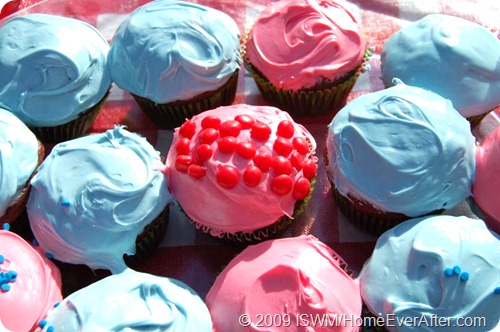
x: 207, y: 136
x: 246, y: 121
x: 282, y: 184
x: 300, y: 144
x: 211, y: 121
x: 301, y: 189
x: 297, y: 160
x: 281, y: 165
x: 230, y: 128
x: 182, y: 163
x: 285, y: 129
x: 246, y: 150
x: 252, y: 176
x: 203, y: 153
x: 228, y: 144
x: 283, y: 146
x: 188, y: 129
x: 263, y: 160
x: 227, y: 176
x: 182, y: 146
x: 260, y: 131
x: 197, y: 171
x: 309, y: 169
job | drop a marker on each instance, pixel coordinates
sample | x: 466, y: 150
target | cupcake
x: 487, y: 181
x: 99, y: 197
x: 133, y: 301
x: 446, y: 54
x: 30, y: 284
x: 241, y: 172
x: 54, y: 74
x: 396, y: 154
x: 177, y: 59
x: 284, y: 285
x: 441, y: 271
x: 305, y: 55
x: 20, y: 154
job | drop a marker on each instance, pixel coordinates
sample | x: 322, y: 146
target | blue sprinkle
x: 35, y: 243
x: 464, y: 276
x: 6, y: 226
x: 56, y: 304
x: 456, y: 270
x: 496, y: 291
x: 65, y: 202
x: 49, y: 255
x: 51, y: 329
x: 448, y: 272
x: 42, y: 323
x: 2, y: 259
x: 5, y: 287
x: 12, y: 275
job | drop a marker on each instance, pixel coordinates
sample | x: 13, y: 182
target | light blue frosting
x: 52, y: 68
x: 440, y: 266
x: 456, y: 58
x: 132, y: 301
x: 93, y: 195
x: 172, y: 50
x: 18, y: 158
x: 403, y: 149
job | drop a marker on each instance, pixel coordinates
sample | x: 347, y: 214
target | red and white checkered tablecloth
x: 186, y: 253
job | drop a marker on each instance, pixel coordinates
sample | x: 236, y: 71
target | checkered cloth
x: 186, y: 253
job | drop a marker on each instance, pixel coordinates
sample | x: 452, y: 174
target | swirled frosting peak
x: 446, y: 54
x: 300, y: 43
x: 173, y: 50
x: 403, y: 150
x: 297, y: 280
x: 93, y: 195
x: 53, y: 68
x: 443, y: 267
x: 132, y: 301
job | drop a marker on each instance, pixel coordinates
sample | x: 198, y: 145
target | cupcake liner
x: 149, y: 239
x: 476, y: 119
x: 72, y: 129
x: 172, y: 115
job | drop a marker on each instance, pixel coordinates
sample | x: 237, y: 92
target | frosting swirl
x: 133, y: 301
x: 445, y: 54
x: 300, y: 277
x: 18, y: 158
x: 298, y: 44
x: 93, y: 195
x: 53, y: 68
x: 403, y: 150
x: 174, y: 50
x: 442, y: 266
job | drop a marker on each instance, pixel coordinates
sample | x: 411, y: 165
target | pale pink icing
x: 487, y: 182
x: 241, y: 208
x: 298, y: 43
x: 36, y: 289
x: 296, y: 278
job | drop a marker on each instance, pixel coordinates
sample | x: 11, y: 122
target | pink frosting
x: 236, y: 206
x: 292, y: 279
x: 298, y: 43
x: 36, y: 289
x: 487, y: 182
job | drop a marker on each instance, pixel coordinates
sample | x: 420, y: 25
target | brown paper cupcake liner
x: 172, y: 115
x: 476, y: 119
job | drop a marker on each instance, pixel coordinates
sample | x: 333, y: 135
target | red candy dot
x: 246, y: 150
x: 203, y: 153
x: 207, y: 136
x: 182, y: 146
x: 263, y: 160
x: 283, y: 146
x: 246, y: 121
x: 227, y: 176
x: 228, y: 144
x: 300, y: 144
x: 210, y: 121
x: 260, y: 131
x: 301, y: 189
x: 309, y: 168
x: 230, y: 128
x: 282, y: 165
x: 297, y: 160
x: 285, y: 129
x: 182, y: 163
x: 282, y: 185
x: 197, y: 171
x: 252, y: 176
x: 188, y: 129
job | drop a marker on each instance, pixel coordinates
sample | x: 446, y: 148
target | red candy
x: 285, y: 129
x: 283, y: 146
x: 182, y: 163
x: 246, y: 150
x: 230, y: 128
x: 282, y: 185
x: 246, y: 121
x: 228, y: 144
x: 297, y: 160
x: 309, y: 168
x: 252, y: 176
x: 207, y: 136
x: 197, y: 171
x: 263, y: 161
x: 203, y: 153
x: 188, y: 129
x: 182, y: 146
x: 282, y: 165
x: 260, y: 131
x: 300, y: 144
x: 227, y: 176
x: 301, y: 189
x: 210, y: 121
